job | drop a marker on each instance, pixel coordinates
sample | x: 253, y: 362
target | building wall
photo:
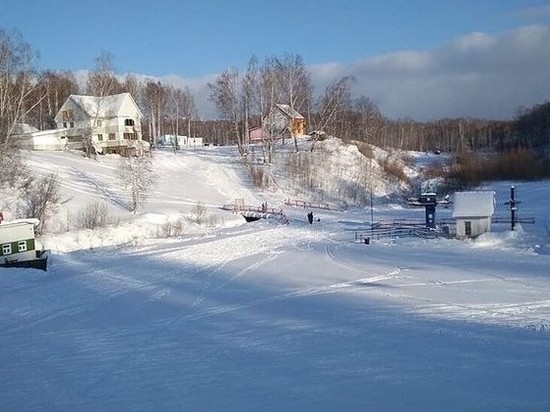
x: 478, y: 226
x: 12, y: 235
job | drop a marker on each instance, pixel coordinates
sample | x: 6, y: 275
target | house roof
x: 106, y: 106
x: 290, y: 112
x: 473, y: 204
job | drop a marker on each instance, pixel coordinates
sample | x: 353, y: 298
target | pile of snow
x: 337, y: 172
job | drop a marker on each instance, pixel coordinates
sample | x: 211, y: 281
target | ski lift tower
x: 513, y: 206
x: 428, y: 200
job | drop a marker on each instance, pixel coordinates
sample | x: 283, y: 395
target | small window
x: 22, y: 246
x: 111, y: 136
x: 98, y: 122
x: 129, y: 122
x: 67, y: 115
x: 71, y: 124
x: 6, y: 249
x: 100, y: 137
x: 65, y: 124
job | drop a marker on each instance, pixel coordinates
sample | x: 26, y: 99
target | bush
x: 394, y: 169
x: 41, y: 199
x: 93, y: 216
x: 199, y: 213
x: 171, y: 229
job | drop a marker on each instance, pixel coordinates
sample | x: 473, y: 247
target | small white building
x: 473, y: 212
x: 44, y: 140
x: 180, y: 141
x: 18, y: 246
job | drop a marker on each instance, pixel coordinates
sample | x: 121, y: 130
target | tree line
x: 245, y: 100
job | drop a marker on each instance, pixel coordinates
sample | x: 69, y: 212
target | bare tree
x: 181, y: 107
x: 102, y: 79
x: 269, y: 95
x: 137, y: 177
x: 156, y: 98
x: 50, y: 92
x: 131, y: 85
x: 224, y: 92
x: 41, y: 198
x: 296, y: 85
x: 335, y: 100
x: 16, y: 84
x: 371, y: 121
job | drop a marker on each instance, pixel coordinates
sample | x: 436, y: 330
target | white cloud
x: 477, y: 75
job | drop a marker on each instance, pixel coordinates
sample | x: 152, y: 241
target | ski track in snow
x: 264, y: 309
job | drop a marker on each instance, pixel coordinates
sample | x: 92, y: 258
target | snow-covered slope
x: 233, y: 316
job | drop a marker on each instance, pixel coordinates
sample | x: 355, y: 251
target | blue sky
x: 195, y: 40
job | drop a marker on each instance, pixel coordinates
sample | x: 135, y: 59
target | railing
x: 400, y: 228
x: 304, y: 204
x: 257, y: 209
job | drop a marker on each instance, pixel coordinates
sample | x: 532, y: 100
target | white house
x: 181, y: 141
x: 110, y: 124
x: 473, y: 212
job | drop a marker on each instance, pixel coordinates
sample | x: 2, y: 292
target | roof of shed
x: 474, y: 204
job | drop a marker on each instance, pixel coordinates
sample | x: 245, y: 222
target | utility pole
x: 513, y: 207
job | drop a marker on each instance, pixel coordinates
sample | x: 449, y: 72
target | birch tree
x: 224, y: 92
x: 296, y: 86
x: 102, y: 79
x: 16, y: 84
x: 156, y: 97
x: 137, y: 177
x: 332, y: 104
x: 181, y: 108
x: 50, y: 92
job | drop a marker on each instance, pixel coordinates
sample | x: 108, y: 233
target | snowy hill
x: 233, y: 316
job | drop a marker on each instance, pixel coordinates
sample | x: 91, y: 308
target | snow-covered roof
x: 474, y: 204
x: 24, y: 128
x: 290, y: 112
x: 106, y: 106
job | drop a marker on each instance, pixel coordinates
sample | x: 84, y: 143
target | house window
x: 6, y: 249
x: 71, y: 124
x: 67, y: 115
x: 100, y: 137
x: 130, y: 136
x: 98, y: 122
x: 111, y: 136
x: 22, y: 246
x: 128, y: 122
x: 65, y: 124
